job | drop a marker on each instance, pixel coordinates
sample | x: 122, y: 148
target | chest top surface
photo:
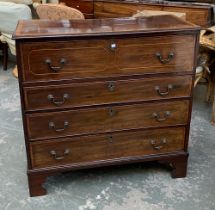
x: 97, y: 27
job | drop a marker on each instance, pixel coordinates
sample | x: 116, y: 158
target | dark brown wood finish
x: 104, y: 147
x: 117, y: 105
x: 86, y: 94
x: 176, y: 162
x: 19, y: 67
x: 107, y: 119
x: 85, y: 6
x: 35, y: 182
x: 109, y: 27
x: 103, y: 61
x: 178, y: 165
x: 201, y: 15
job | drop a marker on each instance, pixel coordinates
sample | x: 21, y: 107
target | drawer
x: 83, y: 94
x: 85, y: 6
x: 105, y: 147
x: 78, y: 59
x: 199, y: 14
x: 106, y: 119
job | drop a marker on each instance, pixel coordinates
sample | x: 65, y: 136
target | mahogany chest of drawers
x: 105, y: 92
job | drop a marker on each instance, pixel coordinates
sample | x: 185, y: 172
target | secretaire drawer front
x: 157, y: 55
x: 107, y: 57
x: 76, y: 95
x: 107, y: 119
x: 52, y: 61
x: 103, y: 147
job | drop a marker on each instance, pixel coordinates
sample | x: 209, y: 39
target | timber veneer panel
x: 109, y: 146
x: 106, y: 119
x: 150, y: 55
x: 201, y: 15
x: 85, y: 6
x: 105, y: 92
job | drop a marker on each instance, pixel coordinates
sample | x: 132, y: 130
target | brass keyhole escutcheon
x: 111, y: 86
x: 111, y: 112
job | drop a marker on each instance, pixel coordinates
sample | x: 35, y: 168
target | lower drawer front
x: 105, y: 147
x: 82, y: 94
x: 106, y: 119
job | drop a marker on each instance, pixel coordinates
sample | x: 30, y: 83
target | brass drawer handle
x: 111, y: 86
x: 55, y: 69
x: 159, y: 118
x: 57, y: 157
x: 163, y: 60
x: 111, y: 112
x: 52, y: 126
x: 158, y: 146
x: 58, y: 102
x: 165, y: 93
